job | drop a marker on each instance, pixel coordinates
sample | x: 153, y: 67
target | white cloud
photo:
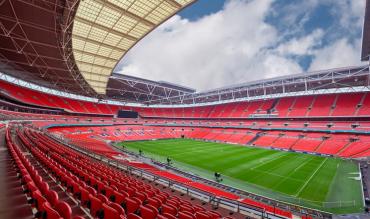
x: 221, y: 49
x: 350, y: 12
x: 302, y: 46
x: 338, y: 54
x: 232, y: 46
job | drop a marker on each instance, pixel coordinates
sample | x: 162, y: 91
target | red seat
x: 100, y: 187
x: 38, y: 199
x: 161, y: 217
x: 147, y: 213
x: 154, y: 202
x: 188, y: 208
x: 52, y: 197
x: 117, y: 207
x: 102, y: 198
x: 202, y: 215
x: 161, y: 197
x: 109, y: 191
x: 142, y: 196
x: 110, y: 213
x: 214, y: 214
x: 84, y: 196
x: 119, y: 197
x: 44, y: 187
x: 186, y: 215
x: 168, y: 209
x: 31, y: 187
x: 130, y: 191
x: 173, y: 203
x: 92, y: 181
x: 95, y: 205
x: 75, y: 187
x: 132, y: 205
x: 133, y: 216
x: 169, y: 216
x: 199, y: 208
x: 64, y: 209
x: 91, y: 190
x: 49, y: 212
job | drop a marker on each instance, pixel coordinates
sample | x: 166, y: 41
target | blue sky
x: 201, y: 8
x: 215, y: 43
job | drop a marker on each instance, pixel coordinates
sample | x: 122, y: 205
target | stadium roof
x: 34, y: 44
x: 326, y: 81
x: 74, y: 45
x: 104, y: 30
x: 365, y: 56
x: 138, y: 90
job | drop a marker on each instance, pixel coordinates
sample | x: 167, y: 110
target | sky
x: 217, y: 43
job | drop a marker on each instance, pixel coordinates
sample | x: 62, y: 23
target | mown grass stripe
x: 293, y: 177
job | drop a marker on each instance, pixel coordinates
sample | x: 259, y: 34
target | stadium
x: 80, y: 140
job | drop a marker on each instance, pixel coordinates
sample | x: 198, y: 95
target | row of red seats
x: 107, y: 182
x: 349, y: 104
x: 43, y: 199
x: 30, y: 96
x: 12, y: 115
x: 82, y: 135
x: 73, y: 184
x: 259, y: 124
x: 343, y: 145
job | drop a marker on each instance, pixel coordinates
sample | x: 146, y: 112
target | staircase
x: 258, y: 135
x: 360, y: 103
x: 344, y: 148
x: 273, y: 105
x: 318, y: 146
x: 334, y: 104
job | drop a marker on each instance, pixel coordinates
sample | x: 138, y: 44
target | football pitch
x: 324, y: 183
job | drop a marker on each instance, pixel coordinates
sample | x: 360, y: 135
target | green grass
x: 312, y: 181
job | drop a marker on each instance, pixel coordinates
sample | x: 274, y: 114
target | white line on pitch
x: 309, y: 179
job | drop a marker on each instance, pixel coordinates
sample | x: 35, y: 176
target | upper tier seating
x: 284, y: 105
x: 322, y: 105
x: 346, y: 105
x: 349, y: 104
x: 37, y: 98
x: 300, y: 106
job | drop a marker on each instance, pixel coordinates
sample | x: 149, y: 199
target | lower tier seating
x: 104, y: 191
